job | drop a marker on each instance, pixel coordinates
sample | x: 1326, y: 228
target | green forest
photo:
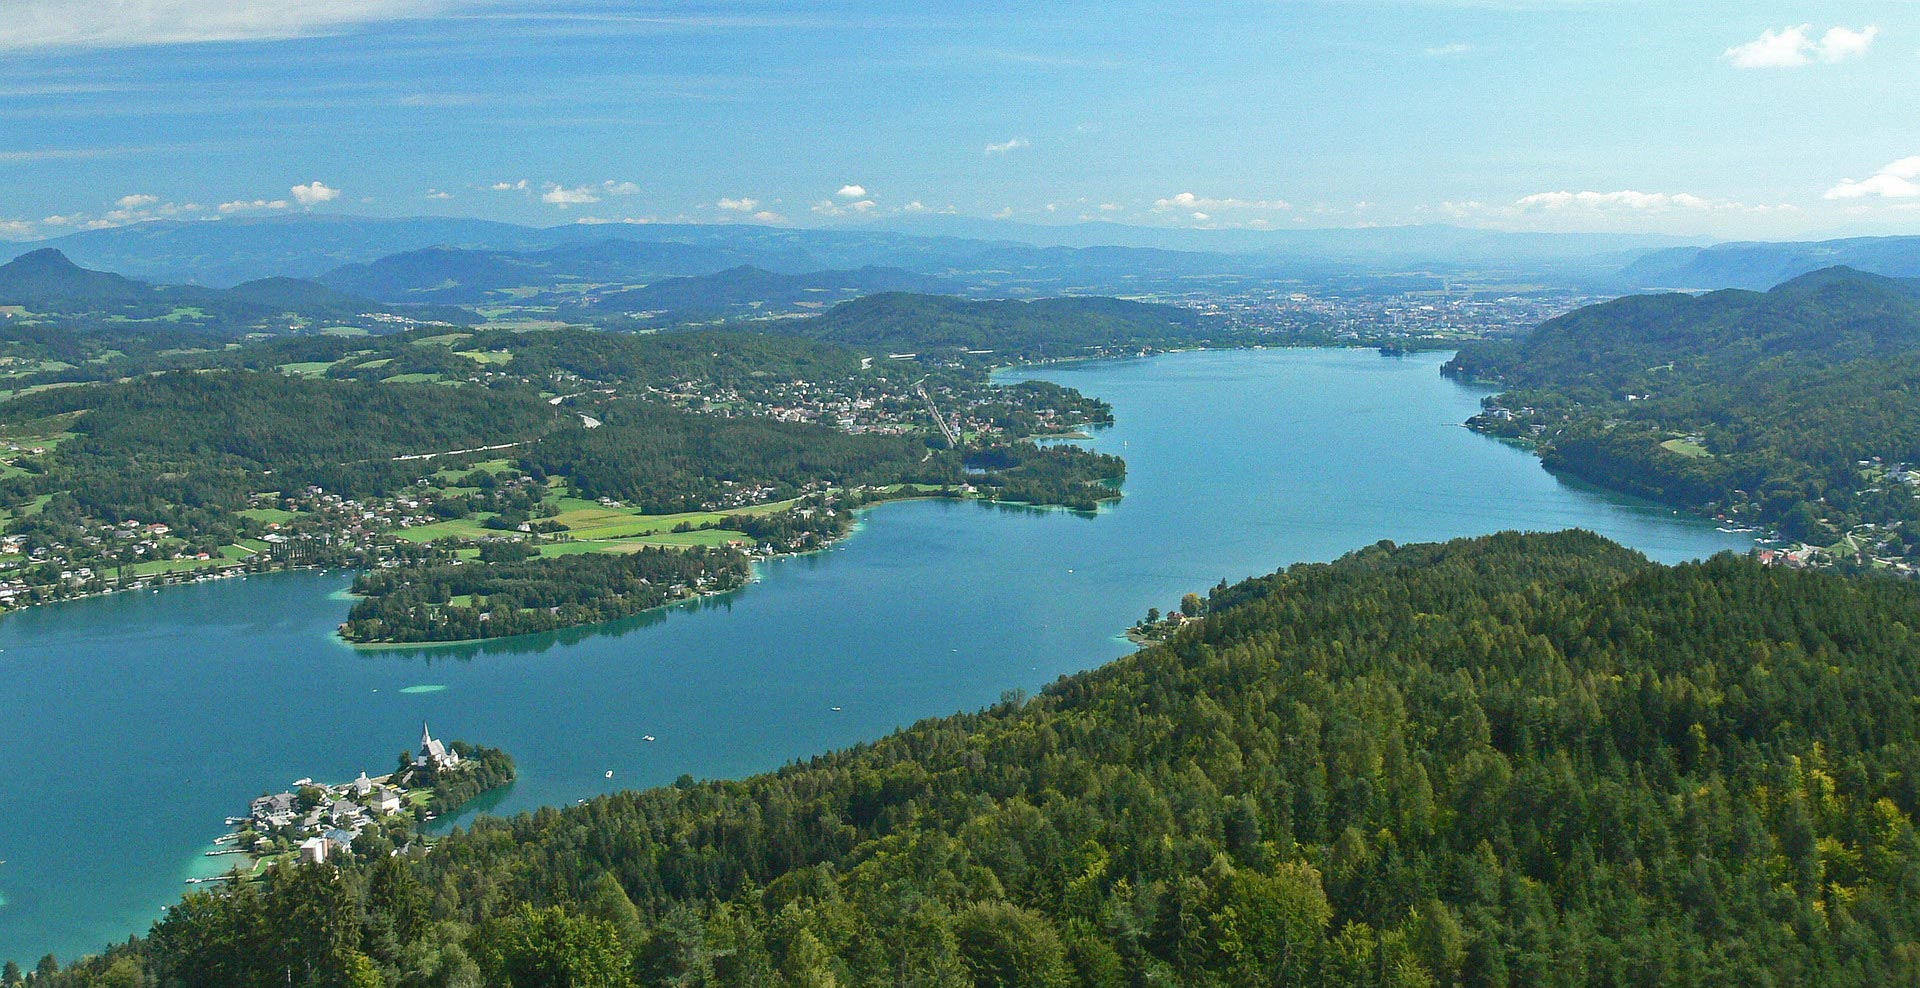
x: 1797, y: 409
x: 518, y: 595
x: 1511, y: 760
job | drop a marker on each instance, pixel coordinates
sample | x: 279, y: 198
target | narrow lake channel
x: 136, y: 722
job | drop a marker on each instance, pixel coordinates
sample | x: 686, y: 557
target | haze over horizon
x: 1758, y: 120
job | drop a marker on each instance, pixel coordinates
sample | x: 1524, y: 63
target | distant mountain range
x: 1760, y: 266
x: 463, y: 261
x: 472, y: 277
x: 1049, y: 258
x: 49, y: 288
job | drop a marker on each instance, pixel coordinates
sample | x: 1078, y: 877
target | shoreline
x: 852, y: 529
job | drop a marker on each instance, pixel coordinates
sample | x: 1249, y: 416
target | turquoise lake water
x: 134, y: 723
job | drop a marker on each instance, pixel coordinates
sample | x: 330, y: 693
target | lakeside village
x: 313, y: 822
x: 41, y: 562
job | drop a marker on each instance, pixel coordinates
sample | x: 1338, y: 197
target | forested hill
x: 1515, y: 760
x: 897, y: 322
x: 44, y: 288
x: 1795, y: 408
x: 1658, y: 343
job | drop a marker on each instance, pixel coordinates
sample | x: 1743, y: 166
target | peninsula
x: 369, y: 817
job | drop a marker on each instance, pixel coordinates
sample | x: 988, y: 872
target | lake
x: 136, y: 722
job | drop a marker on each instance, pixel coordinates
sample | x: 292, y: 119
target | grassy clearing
x: 155, y: 567
x: 344, y: 331
x: 410, y: 379
x: 487, y: 356
x: 706, y: 537
x: 453, y: 528
x: 444, y: 339
x: 36, y: 389
x: 306, y: 368
x: 269, y: 516
x: 592, y: 520
x: 21, y: 368
x: 527, y: 325
x: 1686, y: 448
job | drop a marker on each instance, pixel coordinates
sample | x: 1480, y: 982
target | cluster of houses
x: 321, y: 820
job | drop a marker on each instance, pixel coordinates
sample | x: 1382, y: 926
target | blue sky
x: 1752, y: 119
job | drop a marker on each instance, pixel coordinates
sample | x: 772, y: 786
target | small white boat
x: 609, y: 773
x: 648, y: 737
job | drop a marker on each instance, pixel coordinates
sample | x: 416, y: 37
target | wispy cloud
x: 576, y: 195
x: 251, y: 206
x: 827, y: 207
x: 1628, y: 200
x: 744, y: 204
x: 1792, y: 47
x: 559, y: 195
x: 88, y: 154
x: 1895, y: 181
x: 1454, y: 50
x: 52, y: 24
x: 1188, y: 202
x: 1011, y: 144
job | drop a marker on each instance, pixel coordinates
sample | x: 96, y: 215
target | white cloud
x: 1011, y: 144
x: 1454, y: 50
x: 1792, y: 47
x: 744, y: 204
x: 126, y: 210
x: 519, y: 186
x: 1188, y: 202
x: 769, y: 216
x: 437, y: 194
x: 1895, y: 181
x: 33, y: 24
x: 252, y: 205
x: 827, y: 207
x: 1628, y: 200
x: 1111, y: 207
x: 560, y: 195
x: 852, y: 192
x: 314, y: 193
x: 620, y: 188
